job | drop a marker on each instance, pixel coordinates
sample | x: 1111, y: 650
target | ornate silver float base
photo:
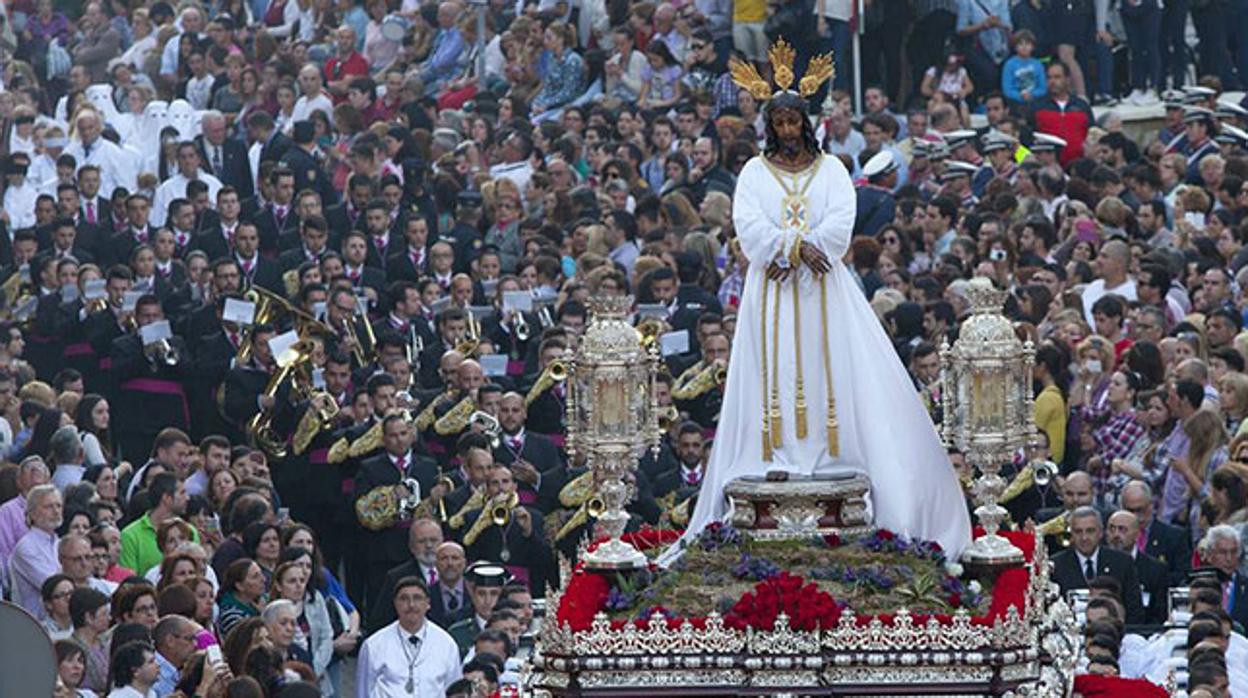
x: 800, y: 507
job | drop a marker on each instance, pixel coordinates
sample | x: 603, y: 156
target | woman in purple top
x: 46, y: 25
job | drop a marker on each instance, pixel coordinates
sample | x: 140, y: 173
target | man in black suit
x: 424, y: 538
x: 261, y: 129
x: 691, y: 452
x: 257, y: 271
x: 1087, y: 559
x: 314, y: 243
x: 222, y: 157
x: 359, y: 269
x: 411, y: 262
x: 278, y: 216
x: 1121, y: 533
x: 95, y: 208
x: 1222, y: 549
x: 137, y: 232
x: 529, y: 455
x: 388, y: 548
x: 217, y: 239
x: 1169, y: 545
x: 448, y: 594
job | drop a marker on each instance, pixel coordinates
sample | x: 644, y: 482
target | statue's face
x: 787, y: 123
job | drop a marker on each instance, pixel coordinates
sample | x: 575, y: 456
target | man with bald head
x: 1112, y: 267
x: 448, y: 598
x: 346, y: 64
x: 117, y: 168
x: 314, y: 97
x: 1169, y: 545
x: 423, y: 540
x: 1121, y: 533
x: 1087, y: 559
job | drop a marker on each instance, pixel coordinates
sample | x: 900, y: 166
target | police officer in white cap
x: 1047, y: 147
x: 957, y: 182
x: 875, y: 196
x: 962, y: 146
x: 999, y: 150
x: 1201, y: 128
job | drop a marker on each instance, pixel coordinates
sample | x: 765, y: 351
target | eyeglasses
x: 698, y: 47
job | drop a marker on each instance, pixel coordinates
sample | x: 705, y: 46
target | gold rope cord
x: 800, y: 424
x: 834, y: 446
x: 766, y: 395
x: 775, y: 373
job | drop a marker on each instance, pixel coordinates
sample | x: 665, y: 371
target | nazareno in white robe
x: 884, y: 431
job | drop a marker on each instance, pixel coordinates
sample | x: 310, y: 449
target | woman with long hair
x: 93, y: 419
x: 1050, y: 374
x: 1228, y: 491
x: 1188, y: 477
x: 1143, y: 462
x: 50, y: 419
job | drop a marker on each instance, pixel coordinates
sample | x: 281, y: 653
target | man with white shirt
x: 175, y: 186
x: 515, y: 165
x: 134, y: 671
x: 1112, y: 265
x: 66, y: 451
x: 19, y: 194
x: 411, y: 656
x: 191, y: 22
x: 118, y: 167
x: 31, y: 473
x: 314, y: 97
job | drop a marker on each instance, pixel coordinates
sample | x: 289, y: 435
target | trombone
x: 556, y: 372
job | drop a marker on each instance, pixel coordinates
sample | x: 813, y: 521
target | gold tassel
x: 766, y: 396
x: 834, y: 445
x: 797, y: 344
x: 775, y: 373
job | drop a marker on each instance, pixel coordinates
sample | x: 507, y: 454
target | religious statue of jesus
x: 815, y: 386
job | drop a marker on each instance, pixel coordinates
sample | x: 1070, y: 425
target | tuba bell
x: 489, y: 425
x: 387, y: 505
x: 667, y: 417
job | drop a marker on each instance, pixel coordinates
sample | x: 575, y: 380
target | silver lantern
x: 988, y: 415
x: 612, y: 418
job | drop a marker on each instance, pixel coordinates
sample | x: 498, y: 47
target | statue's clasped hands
x: 811, y: 256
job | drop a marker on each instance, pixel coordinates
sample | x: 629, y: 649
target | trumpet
x: 167, y: 353
x: 326, y: 407
x: 556, y: 372
x: 649, y: 331
x: 489, y: 424
x: 667, y: 417
x: 497, y: 513
x: 521, y: 327
x: 500, y: 512
x: 469, y: 347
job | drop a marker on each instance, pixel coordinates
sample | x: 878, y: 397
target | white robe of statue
x: 884, y: 431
